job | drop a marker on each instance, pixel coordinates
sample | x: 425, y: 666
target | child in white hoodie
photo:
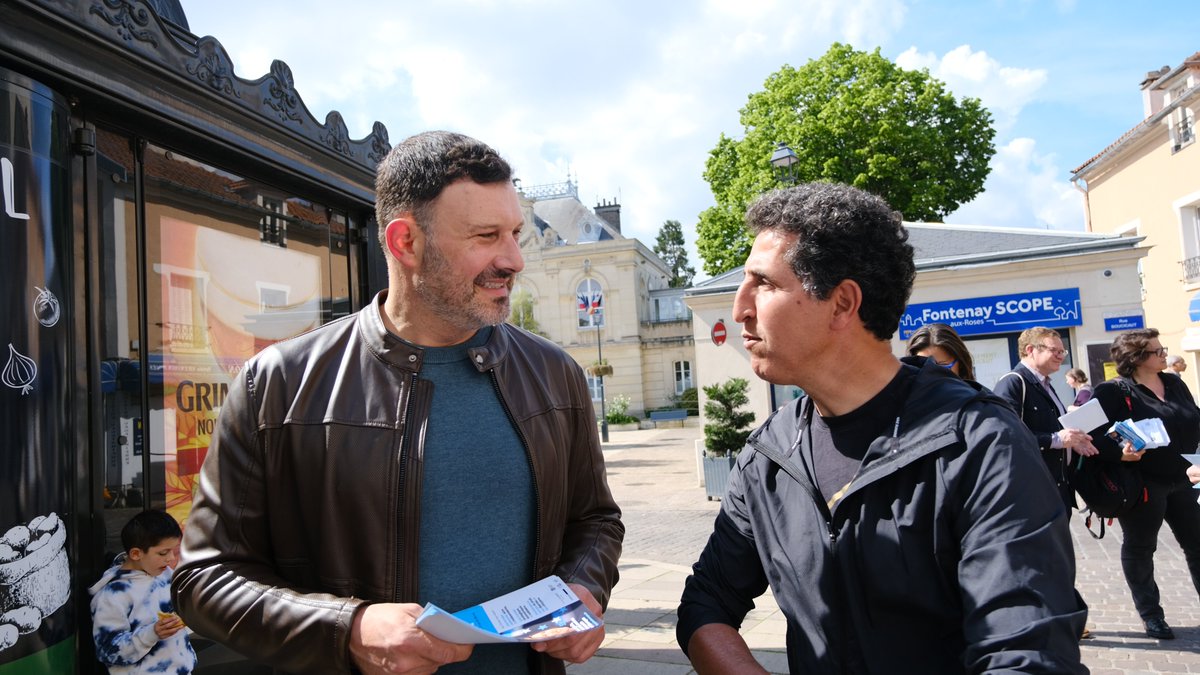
x: 134, y: 625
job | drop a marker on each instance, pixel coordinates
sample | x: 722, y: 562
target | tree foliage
x: 521, y: 313
x: 851, y: 117
x: 669, y: 246
x: 726, y: 427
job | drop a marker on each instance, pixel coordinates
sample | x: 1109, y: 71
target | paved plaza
x: 667, y: 519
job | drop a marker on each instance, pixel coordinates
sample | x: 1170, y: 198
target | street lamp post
x: 600, y: 361
x: 784, y: 161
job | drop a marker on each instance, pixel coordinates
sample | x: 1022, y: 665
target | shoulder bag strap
x: 1021, y: 409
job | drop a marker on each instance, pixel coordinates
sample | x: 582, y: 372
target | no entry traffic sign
x: 718, y: 333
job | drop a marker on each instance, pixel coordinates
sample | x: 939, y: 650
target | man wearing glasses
x: 1027, y: 388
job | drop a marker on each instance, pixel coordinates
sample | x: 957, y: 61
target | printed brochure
x: 1194, y: 459
x: 544, y: 610
x: 1142, y: 434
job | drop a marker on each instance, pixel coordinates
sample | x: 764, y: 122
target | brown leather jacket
x: 308, y: 505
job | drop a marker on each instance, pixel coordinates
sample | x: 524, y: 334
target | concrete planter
x: 716, y: 476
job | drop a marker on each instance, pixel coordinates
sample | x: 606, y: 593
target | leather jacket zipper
x: 406, y: 581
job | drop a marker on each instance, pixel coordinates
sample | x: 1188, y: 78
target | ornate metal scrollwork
x: 379, y: 143
x: 336, y: 135
x: 214, y: 67
x: 130, y: 21
x: 283, y: 100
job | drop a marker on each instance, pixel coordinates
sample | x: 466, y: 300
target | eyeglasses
x: 1161, y: 351
x: 1057, y: 352
x: 946, y: 365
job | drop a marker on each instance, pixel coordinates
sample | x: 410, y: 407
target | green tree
x: 670, y: 247
x: 726, y: 427
x: 851, y: 117
x: 522, y: 312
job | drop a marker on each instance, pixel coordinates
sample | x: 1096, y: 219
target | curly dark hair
x: 416, y: 171
x: 1129, y: 349
x: 941, y: 335
x: 843, y: 233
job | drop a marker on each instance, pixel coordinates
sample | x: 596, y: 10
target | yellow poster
x: 224, y: 298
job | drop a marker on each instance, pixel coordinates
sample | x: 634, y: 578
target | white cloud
x: 629, y: 97
x: 1003, y: 89
x: 1024, y: 189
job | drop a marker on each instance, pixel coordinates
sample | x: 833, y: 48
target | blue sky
x: 631, y: 96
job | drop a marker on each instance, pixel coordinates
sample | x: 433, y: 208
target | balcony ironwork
x: 1191, y: 269
x: 1185, y: 133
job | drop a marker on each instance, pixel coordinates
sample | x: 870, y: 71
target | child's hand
x: 168, y: 624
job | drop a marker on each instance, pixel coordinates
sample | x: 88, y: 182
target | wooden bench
x: 673, y: 415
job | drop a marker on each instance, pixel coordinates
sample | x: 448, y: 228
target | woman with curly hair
x: 1142, y: 391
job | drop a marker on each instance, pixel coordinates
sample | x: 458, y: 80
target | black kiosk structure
x: 161, y: 220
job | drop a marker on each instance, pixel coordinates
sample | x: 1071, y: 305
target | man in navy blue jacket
x: 1028, y: 390
x: 901, y: 516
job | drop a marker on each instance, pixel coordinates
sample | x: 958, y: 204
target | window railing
x: 1191, y: 269
x: 1185, y: 132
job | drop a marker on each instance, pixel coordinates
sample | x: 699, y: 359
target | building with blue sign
x: 989, y: 284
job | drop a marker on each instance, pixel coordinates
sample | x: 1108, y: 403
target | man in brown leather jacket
x: 419, y: 450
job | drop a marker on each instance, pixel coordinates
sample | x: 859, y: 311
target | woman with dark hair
x: 940, y: 343
x: 1142, y: 391
x: 1078, y: 381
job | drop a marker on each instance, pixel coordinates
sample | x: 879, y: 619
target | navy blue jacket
x: 1040, y: 414
x: 949, y: 553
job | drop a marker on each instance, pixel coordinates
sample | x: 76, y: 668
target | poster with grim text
x: 225, y: 296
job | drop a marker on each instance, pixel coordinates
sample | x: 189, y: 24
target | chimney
x: 610, y: 213
x: 1152, y: 98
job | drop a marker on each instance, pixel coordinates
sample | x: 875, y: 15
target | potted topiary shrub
x: 725, y: 432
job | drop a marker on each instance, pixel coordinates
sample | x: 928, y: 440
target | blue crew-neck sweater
x: 478, y: 512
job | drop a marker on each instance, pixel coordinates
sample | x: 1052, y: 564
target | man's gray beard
x: 457, y: 307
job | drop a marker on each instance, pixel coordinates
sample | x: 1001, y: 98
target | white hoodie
x: 125, y: 607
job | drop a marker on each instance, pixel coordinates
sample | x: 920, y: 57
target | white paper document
x: 1085, y: 418
x: 1141, y: 434
x: 541, y: 611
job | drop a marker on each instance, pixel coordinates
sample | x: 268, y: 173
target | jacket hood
x: 115, y: 571
x: 109, y: 574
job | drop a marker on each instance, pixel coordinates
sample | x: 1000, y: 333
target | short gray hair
x: 416, y: 171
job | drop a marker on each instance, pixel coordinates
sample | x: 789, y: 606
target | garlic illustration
x: 20, y: 371
x: 45, y: 307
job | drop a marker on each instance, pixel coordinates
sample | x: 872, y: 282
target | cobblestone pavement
x: 653, y: 475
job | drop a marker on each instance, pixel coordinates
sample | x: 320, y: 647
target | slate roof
x: 574, y: 222
x: 938, y: 246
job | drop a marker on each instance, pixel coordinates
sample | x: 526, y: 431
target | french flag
x: 590, y: 305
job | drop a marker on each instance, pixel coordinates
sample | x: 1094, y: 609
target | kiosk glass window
x: 216, y: 291
x: 124, y: 475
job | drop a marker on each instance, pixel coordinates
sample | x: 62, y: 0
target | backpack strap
x: 1020, y: 410
x: 1087, y: 523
